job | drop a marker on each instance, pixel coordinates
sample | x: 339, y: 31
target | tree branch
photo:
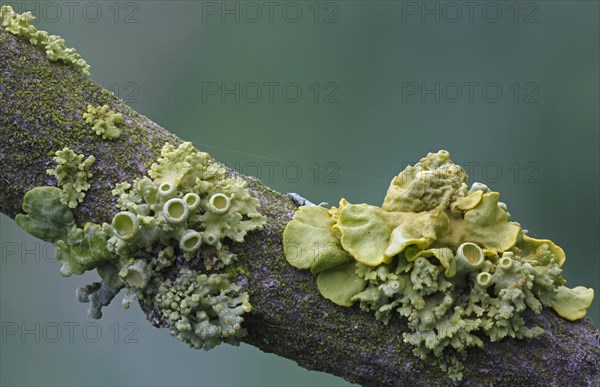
x: 41, y: 107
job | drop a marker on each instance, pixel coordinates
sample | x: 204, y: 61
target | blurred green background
x: 326, y: 99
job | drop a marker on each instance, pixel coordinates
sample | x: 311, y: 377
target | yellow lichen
x: 446, y: 257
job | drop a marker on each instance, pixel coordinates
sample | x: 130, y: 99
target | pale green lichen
x: 47, y: 218
x: 105, y: 122
x: 229, y: 212
x: 203, y: 310
x: 71, y: 173
x: 54, y: 46
x: 98, y: 295
x: 340, y: 284
x: 309, y: 241
x: 183, y: 211
x: 137, y: 274
x: 445, y: 257
x: 431, y: 183
x: 572, y: 304
x: 83, y: 249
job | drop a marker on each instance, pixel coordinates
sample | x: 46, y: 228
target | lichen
x: 309, y: 241
x: 433, y: 182
x: 105, y: 122
x: 442, y: 255
x: 54, y: 46
x: 98, y: 295
x: 71, y: 173
x: 47, y: 218
x: 572, y: 304
x: 185, y: 210
x: 203, y: 310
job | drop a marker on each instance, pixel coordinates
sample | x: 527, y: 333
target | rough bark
x: 41, y: 105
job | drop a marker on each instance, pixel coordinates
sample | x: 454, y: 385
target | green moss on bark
x: 41, y: 111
